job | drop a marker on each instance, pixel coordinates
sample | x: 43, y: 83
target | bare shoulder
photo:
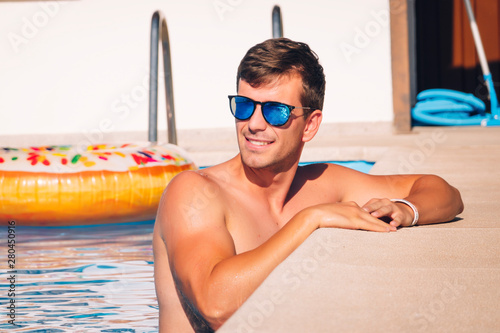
x: 343, y: 183
x: 192, y: 202
x: 187, y: 186
x: 204, y: 179
x: 186, y: 180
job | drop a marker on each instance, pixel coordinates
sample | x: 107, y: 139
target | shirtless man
x: 220, y: 231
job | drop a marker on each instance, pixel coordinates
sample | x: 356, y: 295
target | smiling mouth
x: 259, y: 143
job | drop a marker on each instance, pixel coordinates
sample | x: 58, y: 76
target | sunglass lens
x: 276, y: 114
x: 242, y: 107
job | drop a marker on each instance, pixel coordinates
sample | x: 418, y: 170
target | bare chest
x: 252, y: 221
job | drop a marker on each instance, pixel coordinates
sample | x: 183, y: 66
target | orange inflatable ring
x: 68, y: 185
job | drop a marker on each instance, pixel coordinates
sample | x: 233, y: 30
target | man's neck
x: 273, y: 184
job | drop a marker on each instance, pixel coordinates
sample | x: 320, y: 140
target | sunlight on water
x: 83, y: 279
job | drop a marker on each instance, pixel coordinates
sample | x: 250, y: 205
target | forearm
x: 234, y: 279
x: 435, y: 199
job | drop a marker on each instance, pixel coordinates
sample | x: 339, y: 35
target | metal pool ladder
x: 160, y: 32
x: 277, y: 22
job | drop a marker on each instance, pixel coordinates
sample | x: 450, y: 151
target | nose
x: 257, y: 123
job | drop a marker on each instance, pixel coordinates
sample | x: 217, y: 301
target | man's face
x: 265, y: 146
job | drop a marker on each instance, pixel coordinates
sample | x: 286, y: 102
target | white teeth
x: 258, y: 143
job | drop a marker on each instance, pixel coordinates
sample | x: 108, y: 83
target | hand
x: 348, y: 215
x: 398, y: 213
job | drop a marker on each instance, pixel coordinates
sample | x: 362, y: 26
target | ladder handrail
x: 277, y: 22
x: 160, y: 32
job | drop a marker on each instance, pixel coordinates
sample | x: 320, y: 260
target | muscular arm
x: 436, y: 200
x: 212, y: 278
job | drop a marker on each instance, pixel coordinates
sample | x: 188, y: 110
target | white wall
x: 82, y: 66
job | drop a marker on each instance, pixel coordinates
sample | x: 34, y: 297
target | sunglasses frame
x: 262, y: 106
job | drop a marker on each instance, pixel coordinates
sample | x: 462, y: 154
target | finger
x: 372, y: 205
x: 383, y: 211
x: 371, y: 223
x: 376, y: 203
x: 380, y: 227
x: 396, y: 221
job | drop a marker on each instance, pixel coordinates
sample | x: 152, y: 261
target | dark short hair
x: 279, y: 57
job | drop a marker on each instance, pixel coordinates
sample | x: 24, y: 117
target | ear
x: 312, y: 125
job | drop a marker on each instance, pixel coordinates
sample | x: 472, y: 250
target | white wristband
x: 412, y: 206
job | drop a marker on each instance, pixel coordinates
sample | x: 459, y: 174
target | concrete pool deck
x: 436, y: 278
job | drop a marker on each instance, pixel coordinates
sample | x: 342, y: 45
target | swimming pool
x: 87, y: 278
x: 83, y: 279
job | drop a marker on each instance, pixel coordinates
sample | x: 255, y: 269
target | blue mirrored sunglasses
x: 274, y: 113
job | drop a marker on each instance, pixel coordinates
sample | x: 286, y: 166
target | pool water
x: 86, y: 278
x: 83, y: 279
x: 363, y: 166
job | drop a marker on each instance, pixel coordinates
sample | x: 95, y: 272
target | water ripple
x: 83, y: 279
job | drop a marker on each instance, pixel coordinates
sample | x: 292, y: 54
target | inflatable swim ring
x: 70, y: 185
